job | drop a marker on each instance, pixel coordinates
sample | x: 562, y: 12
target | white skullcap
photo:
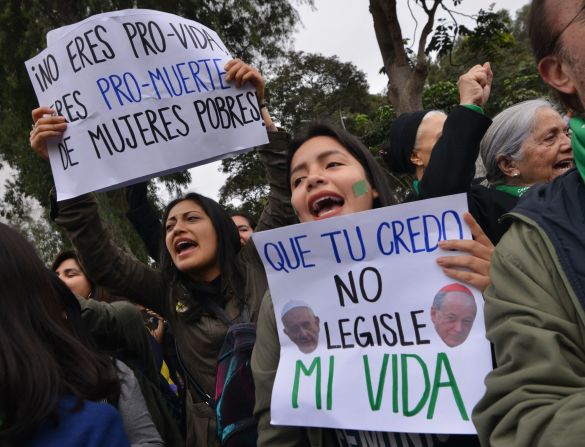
x: 291, y: 305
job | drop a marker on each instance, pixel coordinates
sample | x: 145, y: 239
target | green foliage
x: 308, y: 87
x: 513, y: 82
x: 443, y: 95
x: 254, y: 30
x: 245, y: 184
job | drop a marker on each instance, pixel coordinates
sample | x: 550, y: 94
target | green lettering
x: 443, y: 362
x: 425, y: 396
x: 395, y: 383
x: 375, y: 404
x: 330, y: 383
x: 300, y: 367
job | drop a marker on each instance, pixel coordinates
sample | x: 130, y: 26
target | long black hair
x: 376, y: 175
x: 231, y: 282
x: 41, y: 356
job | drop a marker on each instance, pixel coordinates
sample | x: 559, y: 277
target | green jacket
x: 536, y: 395
x: 198, y: 343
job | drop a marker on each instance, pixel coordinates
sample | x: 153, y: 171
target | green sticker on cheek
x: 360, y: 188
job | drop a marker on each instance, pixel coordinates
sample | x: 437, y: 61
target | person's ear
x: 415, y: 159
x: 508, y: 166
x: 317, y: 320
x: 375, y: 193
x: 557, y: 73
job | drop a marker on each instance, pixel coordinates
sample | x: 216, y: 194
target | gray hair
x: 509, y: 129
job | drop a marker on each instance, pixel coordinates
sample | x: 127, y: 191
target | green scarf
x: 577, y: 125
x: 415, y: 186
x: 517, y: 191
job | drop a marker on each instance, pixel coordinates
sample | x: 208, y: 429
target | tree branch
x: 426, y: 31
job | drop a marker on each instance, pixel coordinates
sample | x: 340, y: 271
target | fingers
x: 240, y: 73
x: 40, y: 111
x: 476, y: 231
x: 473, y: 248
x: 47, y: 125
x: 475, y: 85
x: 473, y: 267
x: 481, y: 282
x: 475, y: 264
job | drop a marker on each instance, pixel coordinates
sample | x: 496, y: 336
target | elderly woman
x: 526, y: 144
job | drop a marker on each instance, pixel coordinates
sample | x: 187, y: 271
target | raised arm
x: 278, y: 210
x: 452, y: 164
x: 105, y: 263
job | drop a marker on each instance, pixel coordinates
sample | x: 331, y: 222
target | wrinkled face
x: 454, y: 319
x: 302, y: 327
x: 70, y: 273
x: 546, y: 153
x: 326, y: 181
x: 428, y: 133
x: 244, y: 228
x: 571, y: 41
x: 191, y: 241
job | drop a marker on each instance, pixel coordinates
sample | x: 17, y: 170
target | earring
x: 515, y: 174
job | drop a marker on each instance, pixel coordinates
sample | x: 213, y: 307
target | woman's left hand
x: 240, y: 72
x: 476, y: 263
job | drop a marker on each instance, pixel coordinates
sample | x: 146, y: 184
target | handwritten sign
x: 374, y: 336
x: 144, y: 95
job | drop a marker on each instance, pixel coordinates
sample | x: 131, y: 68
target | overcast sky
x: 345, y: 28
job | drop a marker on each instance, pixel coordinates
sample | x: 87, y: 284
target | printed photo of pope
x: 453, y: 313
x: 301, y: 325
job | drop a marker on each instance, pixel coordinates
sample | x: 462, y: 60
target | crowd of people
x: 102, y: 349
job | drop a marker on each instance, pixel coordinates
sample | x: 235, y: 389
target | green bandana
x: 577, y: 125
x: 517, y: 191
x: 415, y: 186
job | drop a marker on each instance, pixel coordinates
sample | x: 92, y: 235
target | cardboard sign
x: 373, y: 335
x: 144, y: 95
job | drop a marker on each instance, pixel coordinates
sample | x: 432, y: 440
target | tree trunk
x: 406, y: 77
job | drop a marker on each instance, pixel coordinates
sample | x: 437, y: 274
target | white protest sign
x: 144, y: 95
x: 367, y: 342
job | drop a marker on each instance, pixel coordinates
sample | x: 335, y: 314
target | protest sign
x: 144, y: 95
x: 374, y: 336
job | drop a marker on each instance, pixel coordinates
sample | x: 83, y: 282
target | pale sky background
x: 343, y: 28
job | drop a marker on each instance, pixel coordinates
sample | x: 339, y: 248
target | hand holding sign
x: 47, y: 124
x: 473, y: 268
x: 144, y: 94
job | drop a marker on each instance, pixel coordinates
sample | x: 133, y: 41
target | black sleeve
x: 144, y: 218
x: 452, y: 164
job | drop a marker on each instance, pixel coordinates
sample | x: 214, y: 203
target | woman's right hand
x: 47, y: 124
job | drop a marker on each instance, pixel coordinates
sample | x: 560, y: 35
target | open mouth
x: 564, y: 165
x: 325, y: 205
x: 183, y: 247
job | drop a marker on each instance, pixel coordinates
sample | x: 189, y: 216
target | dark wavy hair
x: 251, y: 221
x: 97, y: 293
x: 42, y: 356
x: 376, y: 175
x: 231, y: 281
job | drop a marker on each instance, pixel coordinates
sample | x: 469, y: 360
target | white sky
x: 345, y: 28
